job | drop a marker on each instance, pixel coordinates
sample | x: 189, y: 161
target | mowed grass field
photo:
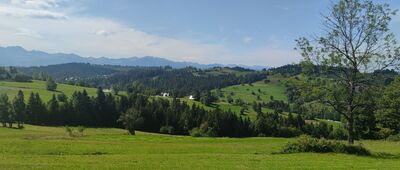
x: 38, y: 147
x: 11, y: 89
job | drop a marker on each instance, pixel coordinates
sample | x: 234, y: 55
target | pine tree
x: 19, y: 110
x: 53, y: 105
x: 4, y: 109
x: 36, y: 110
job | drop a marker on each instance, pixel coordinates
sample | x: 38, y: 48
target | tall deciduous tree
x: 388, y: 115
x: 131, y: 119
x: 51, y: 85
x: 356, y: 41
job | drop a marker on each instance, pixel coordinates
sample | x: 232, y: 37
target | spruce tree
x: 19, y: 110
x: 4, y: 109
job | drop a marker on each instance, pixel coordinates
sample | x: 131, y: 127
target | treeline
x: 81, y: 109
x: 177, y: 82
x: 11, y: 73
x: 176, y: 117
x: 140, y: 112
x: 68, y: 72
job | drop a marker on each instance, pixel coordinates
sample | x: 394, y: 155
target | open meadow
x: 37, y: 147
x: 11, y: 89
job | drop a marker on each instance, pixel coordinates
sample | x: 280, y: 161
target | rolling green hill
x: 12, y: 88
x: 38, y: 147
x: 249, y: 93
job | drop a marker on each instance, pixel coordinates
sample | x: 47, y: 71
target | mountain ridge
x: 19, y: 56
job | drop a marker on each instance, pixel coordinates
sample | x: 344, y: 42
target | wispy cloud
x: 247, y: 39
x: 40, y: 25
x: 103, y: 33
x: 32, y: 8
x: 285, y: 8
x: 27, y: 32
x: 37, y: 4
x: 34, y: 13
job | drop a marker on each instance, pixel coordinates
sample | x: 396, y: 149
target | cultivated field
x: 38, y: 147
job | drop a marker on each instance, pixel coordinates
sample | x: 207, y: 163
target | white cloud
x: 39, y: 28
x: 38, y: 4
x: 32, y: 8
x: 34, y: 13
x: 27, y: 32
x: 247, y: 40
x: 103, y: 33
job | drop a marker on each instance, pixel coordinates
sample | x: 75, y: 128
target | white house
x: 191, y: 97
x: 165, y: 94
x: 107, y: 90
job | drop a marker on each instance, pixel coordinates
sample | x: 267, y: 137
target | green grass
x: 12, y: 88
x: 266, y: 90
x: 275, y: 88
x: 38, y: 147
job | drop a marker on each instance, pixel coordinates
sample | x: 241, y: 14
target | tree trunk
x: 20, y: 125
x: 350, y: 128
x: 10, y: 125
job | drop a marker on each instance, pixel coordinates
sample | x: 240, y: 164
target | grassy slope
x: 245, y: 91
x: 11, y: 89
x: 275, y: 88
x: 50, y: 148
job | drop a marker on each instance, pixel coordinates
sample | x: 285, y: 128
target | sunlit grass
x: 37, y: 147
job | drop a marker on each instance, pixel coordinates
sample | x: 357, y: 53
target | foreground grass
x: 38, y: 147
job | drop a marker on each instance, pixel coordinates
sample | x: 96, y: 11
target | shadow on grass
x: 17, y: 128
x: 383, y: 155
x: 86, y: 153
x: 377, y: 155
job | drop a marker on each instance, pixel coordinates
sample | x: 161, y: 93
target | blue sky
x: 252, y: 32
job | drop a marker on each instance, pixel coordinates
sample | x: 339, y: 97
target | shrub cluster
x: 394, y: 138
x: 75, y: 132
x: 308, y: 144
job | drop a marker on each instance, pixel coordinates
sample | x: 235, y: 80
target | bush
x: 394, y: 138
x: 308, y: 144
x: 22, y: 78
x: 167, y: 130
x: 338, y: 134
x: 289, y: 132
x: 69, y: 130
x: 79, y: 131
x: 195, y: 132
x: 203, y: 131
x: 385, y: 133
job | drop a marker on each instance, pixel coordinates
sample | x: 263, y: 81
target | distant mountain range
x: 18, y: 56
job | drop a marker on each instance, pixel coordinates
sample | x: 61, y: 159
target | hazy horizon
x: 205, y: 32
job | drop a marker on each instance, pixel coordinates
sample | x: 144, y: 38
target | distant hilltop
x: 18, y: 56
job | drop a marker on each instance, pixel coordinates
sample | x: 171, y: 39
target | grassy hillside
x: 249, y: 92
x: 38, y: 147
x: 12, y: 88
